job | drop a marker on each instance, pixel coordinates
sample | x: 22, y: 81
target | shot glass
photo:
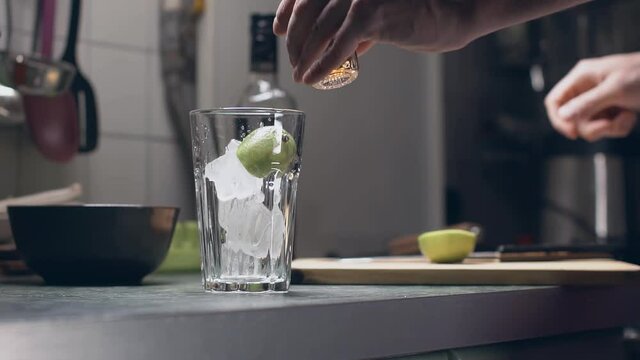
x: 342, y: 76
x: 246, y: 163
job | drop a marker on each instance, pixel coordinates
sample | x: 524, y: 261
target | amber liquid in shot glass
x: 342, y: 76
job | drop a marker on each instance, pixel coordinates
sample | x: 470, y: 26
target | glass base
x: 234, y: 285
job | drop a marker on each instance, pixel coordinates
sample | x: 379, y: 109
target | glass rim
x: 245, y: 111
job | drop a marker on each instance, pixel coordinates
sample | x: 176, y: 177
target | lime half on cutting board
x: 447, y: 246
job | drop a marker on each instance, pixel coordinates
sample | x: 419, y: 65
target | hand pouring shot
x: 471, y: 182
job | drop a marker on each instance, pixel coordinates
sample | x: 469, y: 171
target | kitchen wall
x: 372, y: 164
x: 138, y: 160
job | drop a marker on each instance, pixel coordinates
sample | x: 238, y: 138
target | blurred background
x: 418, y: 142
x: 372, y: 159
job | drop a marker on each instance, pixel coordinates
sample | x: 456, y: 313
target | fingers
x: 364, y: 46
x: 344, y: 44
x: 623, y: 124
x: 589, y: 103
x: 593, y: 130
x: 283, y: 14
x: 321, y: 34
x: 619, y: 126
x: 564, y: 127
x: 303, y: 17
x: 577, y: 81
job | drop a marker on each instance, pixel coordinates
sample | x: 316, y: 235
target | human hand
x: 322, y: 34
x: 598, y: 99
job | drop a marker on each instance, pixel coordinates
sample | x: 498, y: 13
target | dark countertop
x: 171, y: 317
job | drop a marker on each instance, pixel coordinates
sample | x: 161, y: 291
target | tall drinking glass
x: 246, y: 164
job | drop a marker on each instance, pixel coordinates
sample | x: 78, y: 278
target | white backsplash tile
x: 23, y: 14
x: 3, y: 24
x: 122, y: 22
x: 24, y: 18
x: 153, y: 24
x: 20, y: 43
x: 84, y: 59
x: 63, y: 11
x: 115, y: 53
x: 38, y: 174
x: 118, y: 171
x: 82, y: 53
x: 59, y: 45
x: 170, y: 178
x: 62, y: 26
x: 159, y: 123
x: 119, y: 78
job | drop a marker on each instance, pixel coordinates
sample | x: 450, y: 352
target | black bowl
x: 92, y: 244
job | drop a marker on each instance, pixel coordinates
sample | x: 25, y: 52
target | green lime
x: 266, y: 149
x: 447, y: 246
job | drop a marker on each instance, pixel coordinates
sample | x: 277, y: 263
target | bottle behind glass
x: 263, y: 89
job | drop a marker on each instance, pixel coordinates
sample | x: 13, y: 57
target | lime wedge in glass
x: 266, y: 149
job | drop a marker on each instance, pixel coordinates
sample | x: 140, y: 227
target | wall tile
x: 121, y: 22
x: 37, y: 174
x: 159, y: 123
x: 84, y: 58
x: 23, y: 14
x: 116, y: 63
x: 118, y: 171
x: 3, y: 23
x: 170, y: 178
x: 153, y: 24
x: 59, y: 45
x: 20, y: 43
x: 63, y: 11
x: 24, y: 17
x: 82, y: 53
x: 119, y: 78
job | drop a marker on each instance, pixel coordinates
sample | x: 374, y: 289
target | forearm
x: 488, y: 16
x: 445, y: 25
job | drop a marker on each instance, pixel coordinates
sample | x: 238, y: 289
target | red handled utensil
x: 52, y: 120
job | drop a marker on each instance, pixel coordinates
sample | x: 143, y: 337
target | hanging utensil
x: 38, y: 76
x: 52, y: 120
x: 87, y: 108
x: 11, y: 105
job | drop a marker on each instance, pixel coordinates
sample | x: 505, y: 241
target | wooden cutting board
x: 419, y: 271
